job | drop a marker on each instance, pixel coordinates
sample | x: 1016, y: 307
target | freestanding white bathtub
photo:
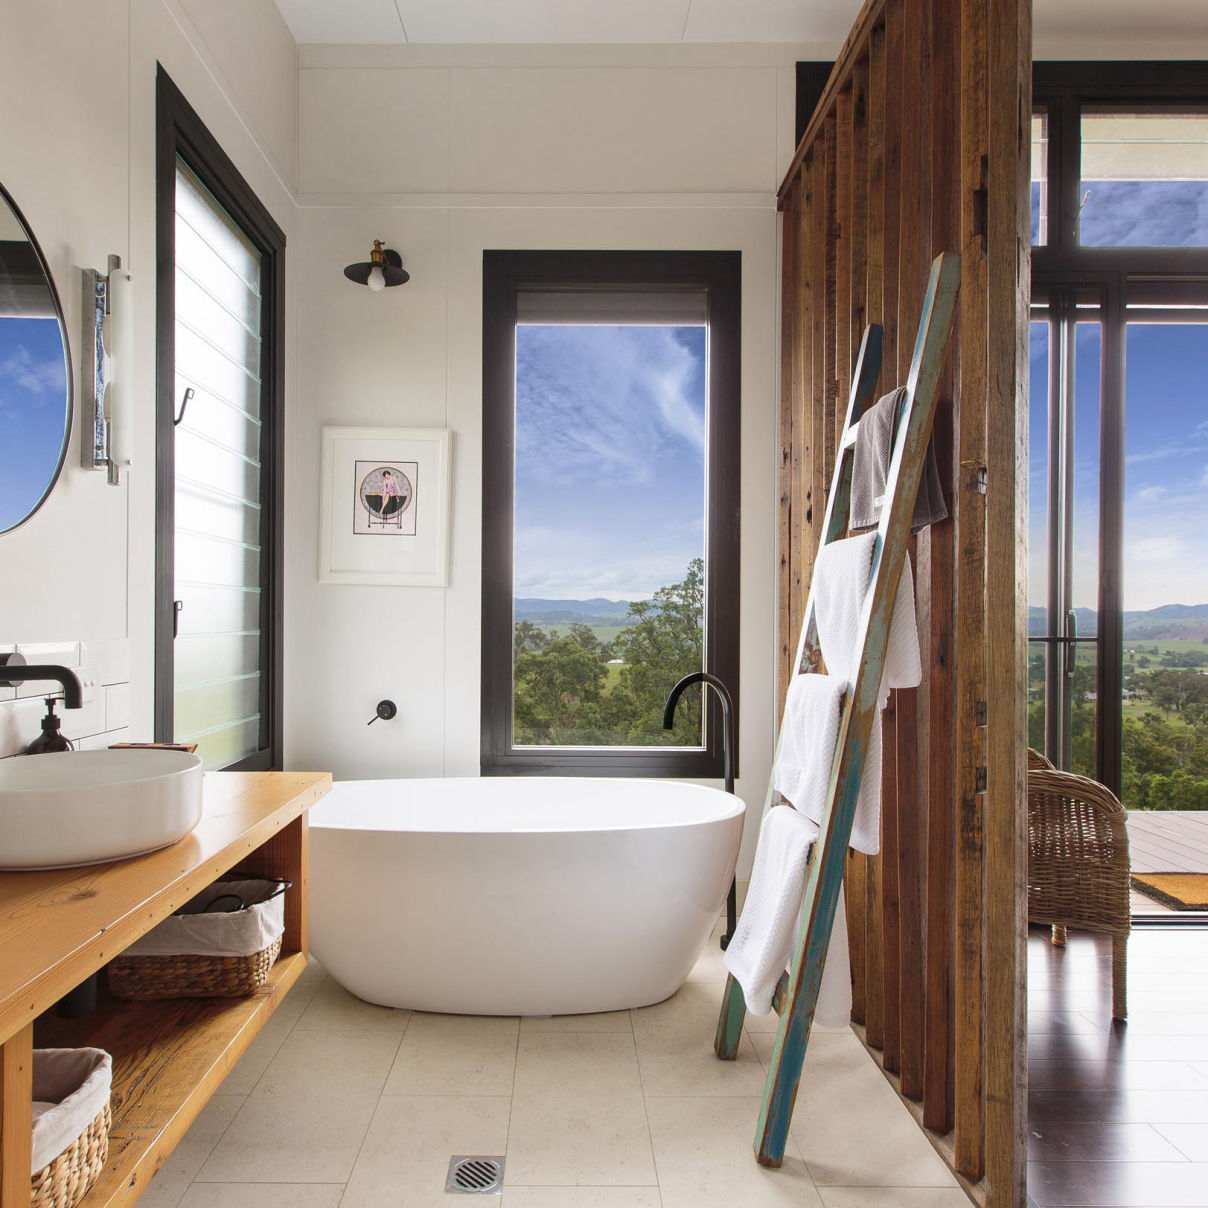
x: 518, y: 895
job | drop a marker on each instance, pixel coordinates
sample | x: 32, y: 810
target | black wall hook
x: 386, y: 710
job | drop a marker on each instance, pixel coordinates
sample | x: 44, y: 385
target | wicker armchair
x: 1078, y: 868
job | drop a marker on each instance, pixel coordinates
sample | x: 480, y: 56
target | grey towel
x: 870, y: 467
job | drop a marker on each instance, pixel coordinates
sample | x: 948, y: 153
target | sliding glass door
x: 1063, y: 636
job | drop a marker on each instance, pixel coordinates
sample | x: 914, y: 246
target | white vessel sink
x: 85, y: 807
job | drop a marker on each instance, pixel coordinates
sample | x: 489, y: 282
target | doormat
x: 1179, y: 890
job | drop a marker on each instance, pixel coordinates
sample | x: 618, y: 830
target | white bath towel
x: 763, y: 939
x: 841, y: 578
x: 807, y: 742
x: 808, y: 736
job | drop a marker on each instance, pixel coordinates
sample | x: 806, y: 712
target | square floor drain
x: 474, y: 1175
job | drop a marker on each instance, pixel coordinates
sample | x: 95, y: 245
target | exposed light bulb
x: 377, y: 279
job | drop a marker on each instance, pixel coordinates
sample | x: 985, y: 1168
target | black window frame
x: 1063, y: 270
x: 180, y: 132
x: 719, y: 273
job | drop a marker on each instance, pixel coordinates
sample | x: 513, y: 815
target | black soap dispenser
x: 50, y: 739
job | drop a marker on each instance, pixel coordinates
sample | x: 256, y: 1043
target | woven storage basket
x: 205, y: 974
x: 62, y: 1182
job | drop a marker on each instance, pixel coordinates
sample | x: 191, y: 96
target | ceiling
x: 569, y: 21
x: 1066, y: 23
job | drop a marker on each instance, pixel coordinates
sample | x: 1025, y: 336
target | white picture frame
x: 384, y: 506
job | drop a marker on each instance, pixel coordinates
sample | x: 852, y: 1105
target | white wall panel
x: 374, y: 131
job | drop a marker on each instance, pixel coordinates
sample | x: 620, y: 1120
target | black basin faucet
x: 727, y: 760
x: 12, y: 674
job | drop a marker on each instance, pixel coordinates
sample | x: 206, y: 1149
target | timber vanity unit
x: 169, y: 1056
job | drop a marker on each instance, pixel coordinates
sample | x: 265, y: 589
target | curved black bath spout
x: 727, y: 759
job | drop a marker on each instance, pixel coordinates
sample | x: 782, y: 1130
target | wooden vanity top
x: 58, y: 927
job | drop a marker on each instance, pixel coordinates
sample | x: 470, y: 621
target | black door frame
x: 180, y: 132
x: 1122, y: 278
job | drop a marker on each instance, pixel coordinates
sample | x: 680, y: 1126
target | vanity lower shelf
x: 168, y: 1058
x: 59, y: 927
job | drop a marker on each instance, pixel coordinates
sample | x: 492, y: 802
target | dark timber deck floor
x: 1118, y: 1114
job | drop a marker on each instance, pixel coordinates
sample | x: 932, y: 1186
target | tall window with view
x: 610, y: 507
x: 609, y: 536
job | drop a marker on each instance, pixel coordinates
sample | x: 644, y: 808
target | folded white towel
x: 841, y: 577
x: 808, y: 735
x: 763, y: 939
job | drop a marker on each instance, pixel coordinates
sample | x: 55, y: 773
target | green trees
x: 565, y: 696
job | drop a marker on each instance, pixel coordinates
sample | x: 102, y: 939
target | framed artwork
x: 385, y: 506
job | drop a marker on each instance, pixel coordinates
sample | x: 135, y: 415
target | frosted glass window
x: 218, y: 672
x: 1144, y: 180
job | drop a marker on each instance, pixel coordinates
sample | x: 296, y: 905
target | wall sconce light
x: 107, y: 329
x: 384, y: 267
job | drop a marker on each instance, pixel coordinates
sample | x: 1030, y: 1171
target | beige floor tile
x: 578, y: 1116
x: 852, y: 1128
x: 334, y: 1009
x: 708, y: 967
x: 455, y: 1055
x: 893, y: 1197
x: 172, y: 1180
x: 580, y: 1197
x: 406, y: 1153
x: 675, y: 1048
x: 262, y: 1195
x: 608, y: 1021
x: 268, y: 1041
x: 305, y: 1120
x: 702, y: 1148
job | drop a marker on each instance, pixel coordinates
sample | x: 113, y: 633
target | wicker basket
x: 63, y: 1182
x: 199, y: 973
x: 72, y: 1118
x: 189, y: 976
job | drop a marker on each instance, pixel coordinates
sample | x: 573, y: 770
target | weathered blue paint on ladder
x: 861, y: 709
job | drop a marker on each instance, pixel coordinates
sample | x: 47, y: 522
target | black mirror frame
x: 69, y: 418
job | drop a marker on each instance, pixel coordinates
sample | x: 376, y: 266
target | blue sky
x: 1166, y: 418
x: 610, y: 439
x: 33, y: 379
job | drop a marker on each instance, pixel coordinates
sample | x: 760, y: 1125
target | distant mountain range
x: 597, y: 611
x: 1166, y: 621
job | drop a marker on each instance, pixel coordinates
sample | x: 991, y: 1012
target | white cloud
x: 602, y: 401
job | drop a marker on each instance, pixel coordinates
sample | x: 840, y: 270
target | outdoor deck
x: 1168, y: 841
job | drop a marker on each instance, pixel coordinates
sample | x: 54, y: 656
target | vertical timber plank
x: 895, y: 56
x: 819, y: 236
x: 874, y: 955
x: 915, y: 260
x: 1008, y: 253
x: 830, y: 402
x: 937, y: 768
x: 791, y: 289
x: 16, y: 1117
x: 968, y: 1091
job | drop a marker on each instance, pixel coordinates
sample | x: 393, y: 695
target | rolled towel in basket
x: 71, y: 1088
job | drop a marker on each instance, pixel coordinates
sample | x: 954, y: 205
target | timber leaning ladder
x: 796, y: 994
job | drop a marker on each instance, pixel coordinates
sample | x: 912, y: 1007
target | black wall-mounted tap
x: 14, y: 671
x: 727, y: 760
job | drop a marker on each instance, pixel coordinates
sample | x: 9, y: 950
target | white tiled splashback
x: 103, y: 667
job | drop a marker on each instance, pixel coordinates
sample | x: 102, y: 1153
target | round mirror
x: 35, y: 372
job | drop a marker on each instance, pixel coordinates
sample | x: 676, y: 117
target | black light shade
x: 384, y: 258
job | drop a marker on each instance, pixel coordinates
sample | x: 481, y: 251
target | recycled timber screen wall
x: 918, y: 145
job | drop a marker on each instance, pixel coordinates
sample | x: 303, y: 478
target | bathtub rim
x: 331, y: 802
